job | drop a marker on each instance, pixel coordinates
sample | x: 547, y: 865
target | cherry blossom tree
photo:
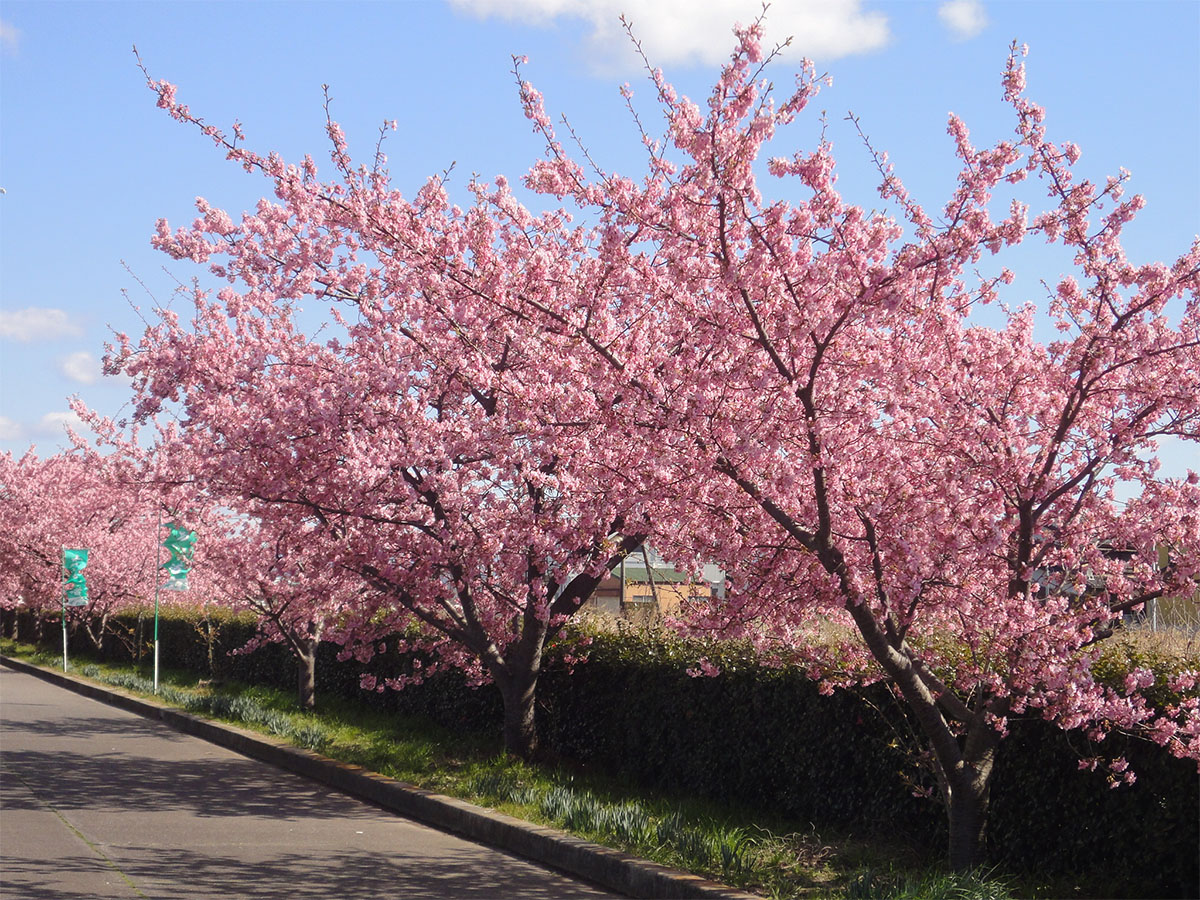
x: 432, y: 439
x: 72, y: 500
x: 30, y: 557
x: 858, y: 450
x: 280, y: 576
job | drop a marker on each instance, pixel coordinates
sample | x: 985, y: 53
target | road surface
x: 99, y: 802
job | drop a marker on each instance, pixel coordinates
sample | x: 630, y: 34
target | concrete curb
x: 602, y: 866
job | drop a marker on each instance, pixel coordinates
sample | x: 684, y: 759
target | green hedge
x: 1047, y: 816
x: 761, y: 737
x: 765, y: 738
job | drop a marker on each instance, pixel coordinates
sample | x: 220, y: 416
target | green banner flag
x: 75, y: 592
x: 180, y: 543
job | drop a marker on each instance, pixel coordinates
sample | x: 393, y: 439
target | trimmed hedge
x: 1047, y: 816
x: 759, y: 737
x: 767, y: 739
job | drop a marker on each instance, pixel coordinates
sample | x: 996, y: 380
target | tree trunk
x: 964, y: 771
x: 306, y: 671
x: 520, y: 728
x: 969, y: 795
x: 96, y: 632
x: 968, y: 812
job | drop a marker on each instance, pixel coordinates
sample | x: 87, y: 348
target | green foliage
x: 872, y: 885
x: 1165, y: 654
x: 235, y: 707
x: 699, y: 845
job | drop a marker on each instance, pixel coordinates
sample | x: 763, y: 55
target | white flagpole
x: 157, y: 579
x: 63, y: 562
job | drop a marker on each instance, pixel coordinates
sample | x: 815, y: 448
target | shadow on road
x: 301, y: 876
x: 115, y: 782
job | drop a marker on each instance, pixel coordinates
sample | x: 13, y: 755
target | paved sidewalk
x: 100, y: 802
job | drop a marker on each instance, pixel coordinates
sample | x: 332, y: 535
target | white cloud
x: 684, y: 31
x: 81, y: 367
x: 10, y: 36
x: 10, y: 430
x: 37, y: 323
x: 54, y: 425
x: 964, y: 18
x: 535, y: 11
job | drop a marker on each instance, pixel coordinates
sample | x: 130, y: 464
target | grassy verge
x: 775, y: 858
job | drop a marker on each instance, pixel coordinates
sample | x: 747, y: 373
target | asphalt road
x: 99, y: 802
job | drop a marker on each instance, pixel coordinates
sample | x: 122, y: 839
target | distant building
x: 646, y: 588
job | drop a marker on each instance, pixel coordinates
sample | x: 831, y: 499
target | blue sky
x: 88, y: 164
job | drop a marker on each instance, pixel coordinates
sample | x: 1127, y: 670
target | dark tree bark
x: 519, y: 696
